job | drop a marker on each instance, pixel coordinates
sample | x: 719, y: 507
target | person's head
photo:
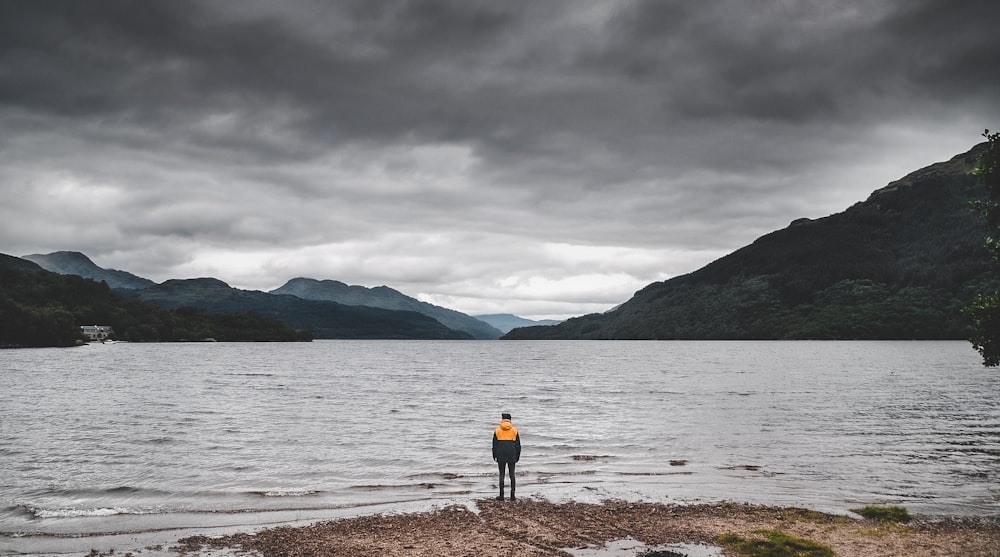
x: 505, y: 416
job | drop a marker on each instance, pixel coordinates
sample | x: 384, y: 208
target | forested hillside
x: 900, y: 265
x: 302, y: 304
x: 41, y: 308
x: 325, y: 319
x: 384, y: 297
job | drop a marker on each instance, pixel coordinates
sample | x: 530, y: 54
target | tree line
x: 40, y: 308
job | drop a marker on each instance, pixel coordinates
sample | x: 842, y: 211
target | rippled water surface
x: 144, y: 437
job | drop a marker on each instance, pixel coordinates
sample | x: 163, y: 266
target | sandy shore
x: 533, y: 528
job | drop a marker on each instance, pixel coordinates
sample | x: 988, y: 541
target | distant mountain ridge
x: 365, y: 312
x: 385, y: 298
x: 505, y: 321
x: 899, y: 265
x: 76, y: 263
x: 325, y: 318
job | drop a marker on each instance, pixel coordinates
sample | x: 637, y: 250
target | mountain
x: 390, y: 310
x: 43, y: 308
x: 76, y: 263
x: 385, y: 298
x: 899, y: 265
x: 505, y: 321
x: 325, y: 318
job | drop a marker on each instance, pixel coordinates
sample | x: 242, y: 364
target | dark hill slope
x: 385, y: 298
x: 899, y: 265
x: 325, y: 319
x: 42, y: 308
x: 20, y: 265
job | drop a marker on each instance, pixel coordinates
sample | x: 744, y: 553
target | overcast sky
x: 542, y: 158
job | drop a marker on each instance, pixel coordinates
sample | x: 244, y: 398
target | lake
x: 129, y: 445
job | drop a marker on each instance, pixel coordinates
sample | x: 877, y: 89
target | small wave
x: 99, y: 492
x: 657, y: 474
x: 80, y: 513
x: 551, y: 474
x: 158, y: 441
x: 439, y: 476
x: 587, y: 457
x: 377, y: 487
x: 125, y: 489
x: 391, y: 487
x: 22, y: 511
x: 285, y: 493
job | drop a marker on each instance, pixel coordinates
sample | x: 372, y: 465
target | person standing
x: 506, y: 451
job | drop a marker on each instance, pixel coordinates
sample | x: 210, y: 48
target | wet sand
x: 535, y: 528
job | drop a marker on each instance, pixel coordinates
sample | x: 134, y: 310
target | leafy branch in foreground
x: 984, y: 311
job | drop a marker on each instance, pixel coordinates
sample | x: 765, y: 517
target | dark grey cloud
x: 540, y: 158
x: 806, y: 61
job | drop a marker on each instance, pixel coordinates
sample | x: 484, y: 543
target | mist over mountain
x: 46, y: 308
x: 76, y: 263
x: 303, y: 304
x: 385, y: 298
x: 505, y: 321
x: 899, y: 265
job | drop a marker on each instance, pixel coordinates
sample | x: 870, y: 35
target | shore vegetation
x: 884, y: 514
x: 773, y: 543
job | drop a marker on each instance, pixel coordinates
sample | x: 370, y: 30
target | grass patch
x: 773, y: 543
x: 884, y: 514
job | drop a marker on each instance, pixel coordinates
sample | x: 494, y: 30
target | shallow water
x: 629, y: 547
x: 142, y: 438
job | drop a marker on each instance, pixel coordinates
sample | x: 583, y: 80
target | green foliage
x: 773, y: 543
x: 988, y: 167
x: 984, y: 311
x: 884, y: 514
x: 38, y: 308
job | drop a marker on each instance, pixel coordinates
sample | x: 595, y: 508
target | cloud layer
x: 539, y: 158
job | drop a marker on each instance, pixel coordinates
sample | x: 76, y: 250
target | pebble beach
x: 539, y: 528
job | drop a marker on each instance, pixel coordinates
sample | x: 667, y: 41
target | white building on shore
x: 97, y: 332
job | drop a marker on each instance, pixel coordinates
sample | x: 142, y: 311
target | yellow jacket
x: 506, y: 443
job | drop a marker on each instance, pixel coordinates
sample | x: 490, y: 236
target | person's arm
x: 517, y: 445
x: 495, y: 441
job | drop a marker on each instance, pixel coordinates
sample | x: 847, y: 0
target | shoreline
x: 539, y: 528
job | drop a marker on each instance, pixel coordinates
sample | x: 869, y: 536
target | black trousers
x: 509, y: 466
